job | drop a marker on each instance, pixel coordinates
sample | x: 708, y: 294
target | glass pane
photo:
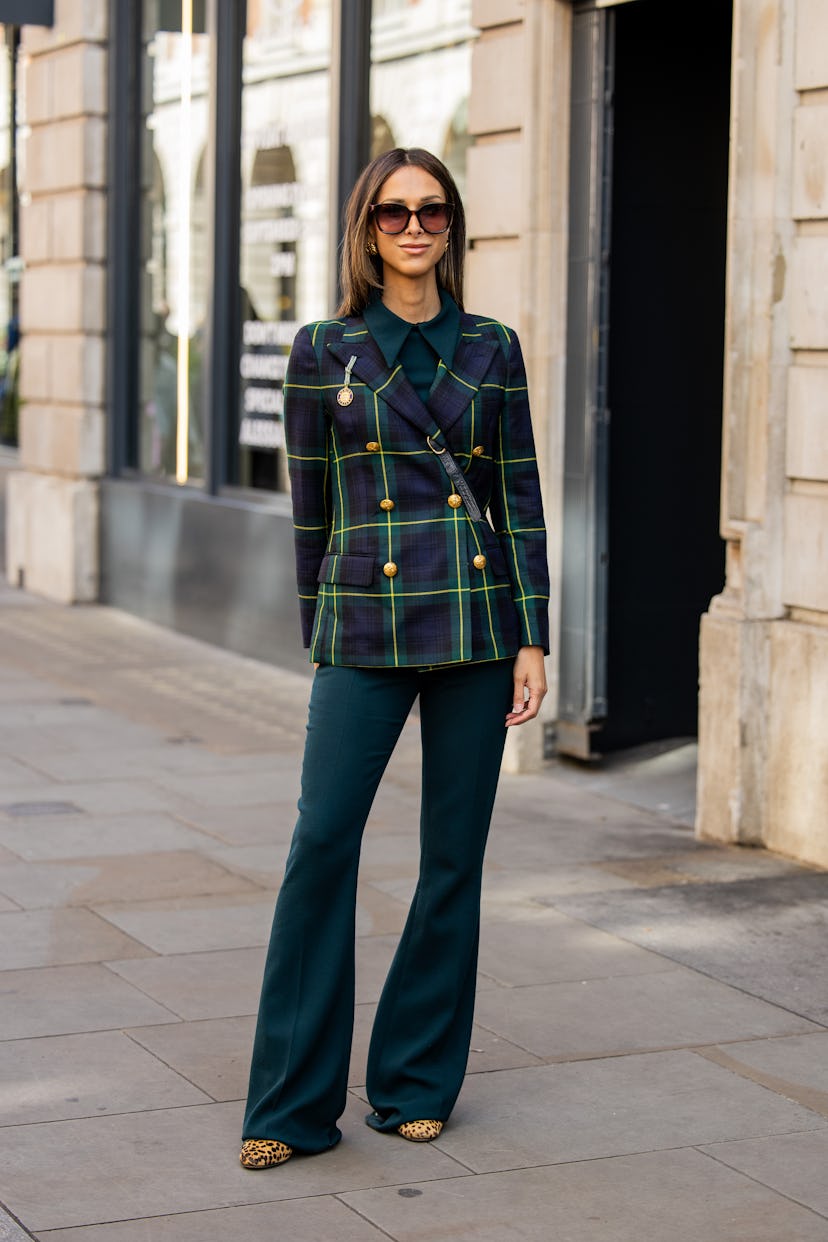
x: 174, y: 260
x: 420, y: 78
x: 11, y: 118
x: 285, y: 191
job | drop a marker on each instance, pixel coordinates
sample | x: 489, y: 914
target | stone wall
x: 763, y: 761
x: 52, y: 536
x: 517, y: 216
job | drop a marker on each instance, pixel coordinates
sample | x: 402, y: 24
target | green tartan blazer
x: 391, y: 570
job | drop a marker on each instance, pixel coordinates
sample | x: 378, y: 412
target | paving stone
x: 766, y: 936
x: 792, y: 1164
x: 67, y: 1076
x: 6, y: 905
x: 513, y: 887
x: 136, y: 877
x: 166, y: 755
x: 487, y: 1052
x: 268, y: 825
x: 263, y: 865
x: 86, y: 836
x: 647, y: 1198
x: 318, y: 1219
x: 65, y: 999
x: 60, y: 937
x: 664, y: 1009
x: 796, y: 1067
x: 214, y: 1053
x: 10, y: 1231
x: 542, y: 836
x: 186, y: 1160
x: 229, y: 789
x: 105, y: 797
x: 548, y: 950
x: 199, y: 985
x: 614, y: 1106
x: 196, y: 924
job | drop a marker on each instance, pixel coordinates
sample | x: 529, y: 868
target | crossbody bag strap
x: 458, y: 480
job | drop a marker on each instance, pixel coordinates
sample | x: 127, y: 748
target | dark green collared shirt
x: 416, y: 346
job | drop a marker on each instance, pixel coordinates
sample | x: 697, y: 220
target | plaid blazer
x: 390, y: 568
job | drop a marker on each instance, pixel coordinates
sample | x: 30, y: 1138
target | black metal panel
x: 224, y: 326
x: 28, y: 12
x: 218, y: 569
x: 354, y: 120
x: 123, y: 227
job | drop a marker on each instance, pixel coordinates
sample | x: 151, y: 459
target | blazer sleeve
x: 306, y: 439
x: 517, y: 509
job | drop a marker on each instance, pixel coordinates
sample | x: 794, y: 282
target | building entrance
x: 648, y: 199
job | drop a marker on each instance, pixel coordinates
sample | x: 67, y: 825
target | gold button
x: 390, y: 569
x: 479, y: 561
x: 386, y: 504
x: 478, y: 450
x: 372, y: 446
x: 455, y: 501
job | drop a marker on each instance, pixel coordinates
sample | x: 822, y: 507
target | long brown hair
x: 361, y: 272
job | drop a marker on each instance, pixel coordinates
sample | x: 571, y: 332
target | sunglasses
x: 395, y: 217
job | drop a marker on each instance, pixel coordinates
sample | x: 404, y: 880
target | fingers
x: 528, y: 711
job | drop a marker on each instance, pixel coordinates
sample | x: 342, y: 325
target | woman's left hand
x: 530, y: 675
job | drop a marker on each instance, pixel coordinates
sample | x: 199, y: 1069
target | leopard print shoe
x: 264, y: 1153
x: 420, y: 1131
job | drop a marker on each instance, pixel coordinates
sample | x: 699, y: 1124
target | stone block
x: 809, y: 293
x: 492, y: 284
x: 79, y: 226
x: 497, y: 101
x: 807, y: 427
x: 37, y: 82
x: 80, y: 80
x: 75, y: 22
x: 810, y: 167
x: 52, y: 537
x: 718, y: 792
x: 495, y: 190
x: 811, y: 70
x: 36, y: 230
x: 497, y: 12
x: 69, y: 298
x: 68, y: 369
x: 805, y: 582
x: 66, y: 155
x: 65, y: 440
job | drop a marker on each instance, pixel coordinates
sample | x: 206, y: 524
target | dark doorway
x: 666, y: 347
x: 645, y: 346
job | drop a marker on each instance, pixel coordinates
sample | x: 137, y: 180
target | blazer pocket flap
x: 347, y: 569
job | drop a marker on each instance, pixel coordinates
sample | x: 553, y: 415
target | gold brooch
x: 345, y: 395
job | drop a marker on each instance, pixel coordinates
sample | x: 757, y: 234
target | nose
x: 413, y: 225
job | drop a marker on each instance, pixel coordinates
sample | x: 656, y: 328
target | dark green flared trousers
x: 420, y: 1040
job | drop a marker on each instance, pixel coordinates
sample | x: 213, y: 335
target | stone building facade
x: 763, y: 632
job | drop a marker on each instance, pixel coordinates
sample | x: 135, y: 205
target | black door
x: 658, y: 556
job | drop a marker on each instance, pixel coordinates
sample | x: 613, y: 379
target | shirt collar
x: 390, y: 332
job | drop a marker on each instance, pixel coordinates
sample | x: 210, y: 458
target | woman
x: 406, y: 421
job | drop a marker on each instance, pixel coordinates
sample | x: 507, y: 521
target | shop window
x: 421, y: 77
x: 174, y: 268
x: 284, y: 275
x: 10, y: 120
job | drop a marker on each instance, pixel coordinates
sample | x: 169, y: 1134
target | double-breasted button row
x: 386, y: 504
x: 372, y: 447
x: 389, y: 569
x: 479, y: 561
x: 455, y: 501
x: 478, y: 450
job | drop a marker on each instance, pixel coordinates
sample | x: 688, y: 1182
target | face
x: 414, y: 252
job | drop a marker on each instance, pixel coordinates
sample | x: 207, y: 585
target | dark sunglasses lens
x: 391, y: 217
x: 435, y: 217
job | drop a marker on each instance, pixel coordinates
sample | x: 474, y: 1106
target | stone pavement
x: 650, y: 1060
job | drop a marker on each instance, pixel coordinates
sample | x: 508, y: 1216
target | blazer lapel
x: 451, y: 393
x: 453, y: 390
x: 388, y: 382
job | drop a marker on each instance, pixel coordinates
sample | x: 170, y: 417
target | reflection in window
x: 174, y: 257
x: 10, y: 265
x: 284, y: 274
x: 421, y: 76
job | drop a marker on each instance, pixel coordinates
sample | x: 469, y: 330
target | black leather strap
x: 458, y: 481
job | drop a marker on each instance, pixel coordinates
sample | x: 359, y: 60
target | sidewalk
x: 650, y: 1061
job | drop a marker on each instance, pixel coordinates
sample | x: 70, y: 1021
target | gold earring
x: 371, y: 248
